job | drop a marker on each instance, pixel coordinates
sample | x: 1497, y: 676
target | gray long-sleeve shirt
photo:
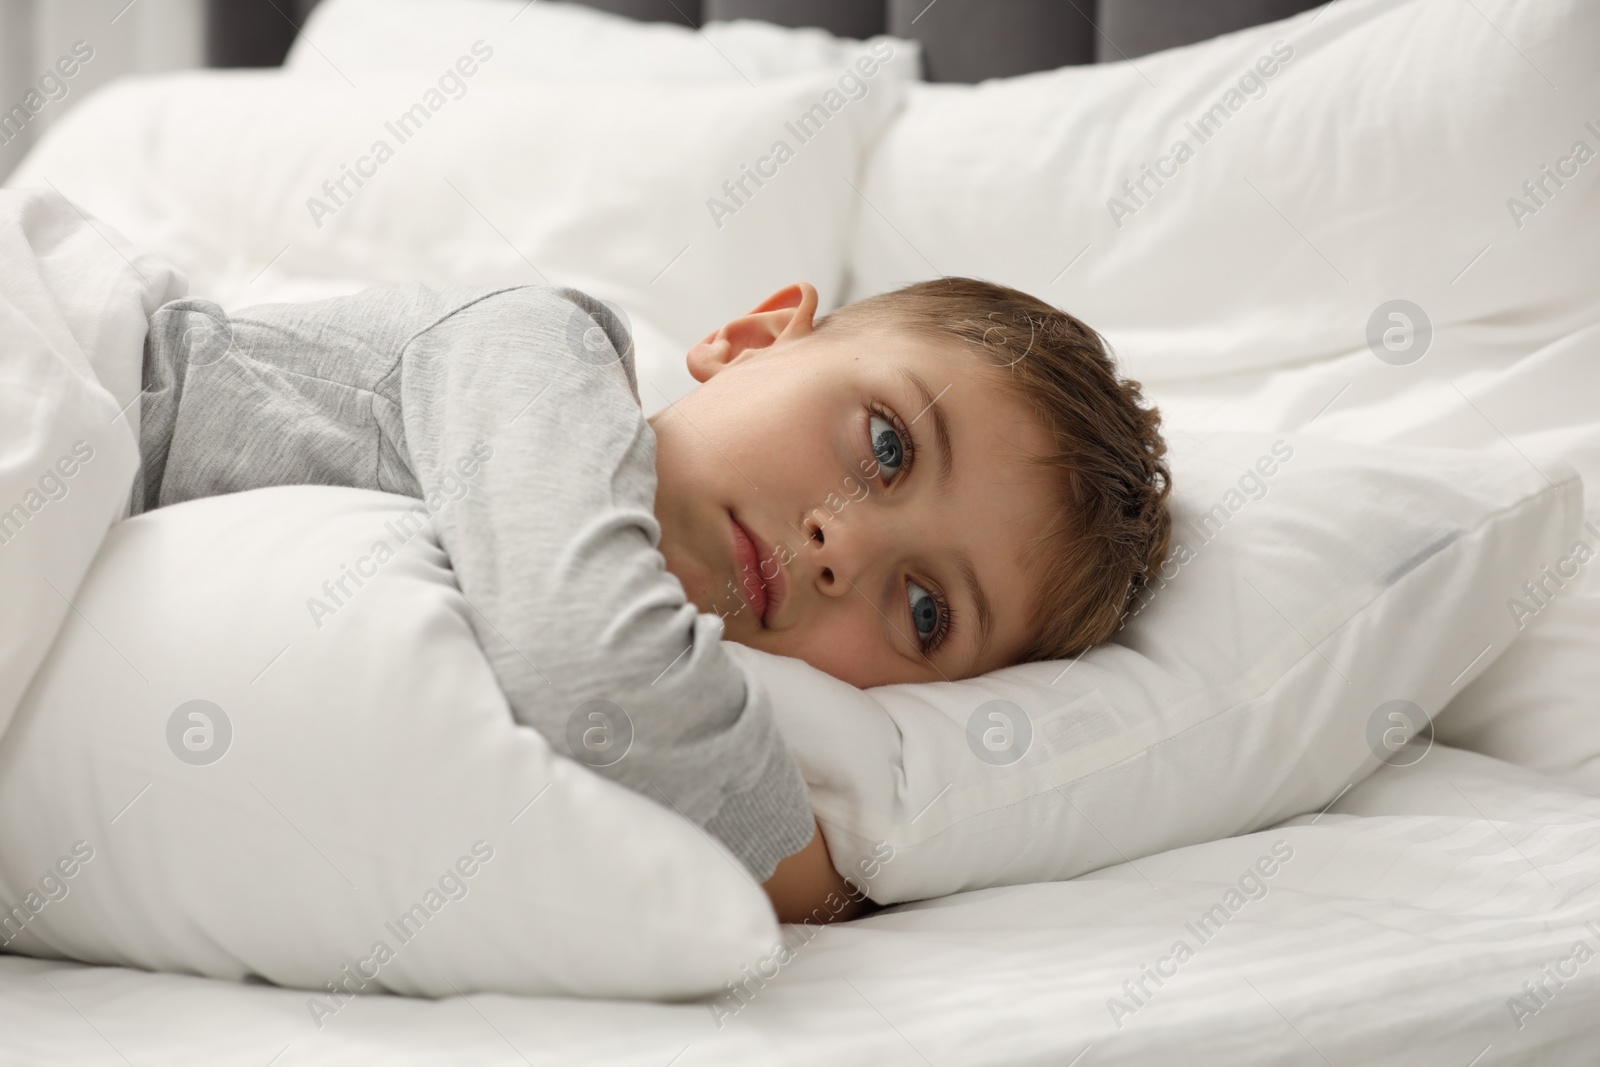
x: 553, y: 541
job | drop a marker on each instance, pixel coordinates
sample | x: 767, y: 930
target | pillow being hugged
x: 266, y: 743
x: 1321, y: 602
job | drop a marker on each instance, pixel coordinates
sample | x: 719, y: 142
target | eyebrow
x: 941, y: 426
x: 946, y: 456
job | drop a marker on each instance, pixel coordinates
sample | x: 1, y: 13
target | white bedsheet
x: 1392, y: 938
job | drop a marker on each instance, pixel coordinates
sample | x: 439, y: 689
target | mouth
x: 749, y: 553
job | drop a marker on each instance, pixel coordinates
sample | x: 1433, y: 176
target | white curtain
x: 54, y: 52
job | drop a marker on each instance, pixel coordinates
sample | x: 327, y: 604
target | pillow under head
x: 1321, y: 602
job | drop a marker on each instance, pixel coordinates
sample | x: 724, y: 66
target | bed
x: 1413, y: 911
x: 1443, y: 908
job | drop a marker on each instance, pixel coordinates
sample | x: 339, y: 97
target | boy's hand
x: 806, y: 886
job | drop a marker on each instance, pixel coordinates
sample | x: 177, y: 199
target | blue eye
x: 888, y: 448
x: 925, y: 611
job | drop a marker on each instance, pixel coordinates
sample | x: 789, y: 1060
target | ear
x: 784, y: 316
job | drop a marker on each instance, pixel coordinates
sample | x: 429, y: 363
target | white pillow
x: 1539, y: 707
x: 1312, y: 585
x: 560, y: 42
x: 617, y: 190
x: 1374, y: 154
x: 363, y: 764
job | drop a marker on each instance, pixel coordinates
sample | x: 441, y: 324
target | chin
x: 694, y: 579
x: 706, y: 603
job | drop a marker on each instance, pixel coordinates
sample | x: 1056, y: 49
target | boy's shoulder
x: 556, y: 322
x: 551, y: 323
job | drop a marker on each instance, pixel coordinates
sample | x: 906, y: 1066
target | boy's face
x: 860, y: 551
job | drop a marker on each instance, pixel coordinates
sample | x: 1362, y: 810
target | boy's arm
x: 554, y: 539
x: 806, y: 886
x: 536, y: 466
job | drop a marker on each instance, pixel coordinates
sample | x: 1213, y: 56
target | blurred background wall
x: 126, y: 38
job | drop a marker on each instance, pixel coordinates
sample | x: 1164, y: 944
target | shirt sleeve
x: 522, y: 422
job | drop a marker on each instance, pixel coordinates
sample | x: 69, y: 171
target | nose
x: 840, y: 552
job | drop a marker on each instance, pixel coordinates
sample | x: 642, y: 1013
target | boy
x: 925, y: 485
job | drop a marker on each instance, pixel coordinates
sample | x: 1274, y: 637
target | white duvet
x: 74, y: 300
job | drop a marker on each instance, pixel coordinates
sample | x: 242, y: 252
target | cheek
x: 848, y: 644
x: 756, y: 426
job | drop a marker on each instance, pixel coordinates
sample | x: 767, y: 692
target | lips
x: 749, y: 553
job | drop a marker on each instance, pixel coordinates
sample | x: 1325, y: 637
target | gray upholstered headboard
x: 962, y: 40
